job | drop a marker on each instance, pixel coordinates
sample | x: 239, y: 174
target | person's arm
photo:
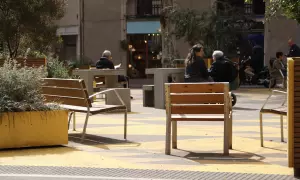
x: 278, y: 65
x: 98, y: 65
x: 212, y: 70
x: 203, y: 68
x: 111, y: 65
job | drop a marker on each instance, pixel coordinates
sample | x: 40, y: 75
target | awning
x: 68, y: 30
x: 143, y: 27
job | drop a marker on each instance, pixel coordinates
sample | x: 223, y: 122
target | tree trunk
x: 168, y: 40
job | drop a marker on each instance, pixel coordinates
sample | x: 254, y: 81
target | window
x: 149, y: 7
x: 259, y: 7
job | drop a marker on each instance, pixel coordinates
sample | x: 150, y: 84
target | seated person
x: 222, y: 69
x: 105, y: 62
x: 249, y: 71
x: 195, y: 67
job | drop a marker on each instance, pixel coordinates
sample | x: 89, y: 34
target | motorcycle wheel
x: 233, y: 99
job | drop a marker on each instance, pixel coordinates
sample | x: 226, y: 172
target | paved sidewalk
x: 19, y: 172
x: 200, y: 146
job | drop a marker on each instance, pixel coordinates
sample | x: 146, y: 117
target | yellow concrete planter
x: 33, y: 129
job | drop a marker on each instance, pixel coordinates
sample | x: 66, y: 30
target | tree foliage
x: 29, y: 23
x: 289, y: 8
x: 214, y: 29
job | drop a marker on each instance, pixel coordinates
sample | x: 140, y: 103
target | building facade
x: 130, y: 29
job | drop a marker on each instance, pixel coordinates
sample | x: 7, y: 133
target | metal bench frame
x: 281, y: 110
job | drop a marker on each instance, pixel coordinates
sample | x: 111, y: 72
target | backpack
x: 232, y: 70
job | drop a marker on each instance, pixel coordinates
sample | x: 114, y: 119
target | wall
x: 277, y: 33
x: 71, y: 17
x: 131, y: 7
x: 103, y: 29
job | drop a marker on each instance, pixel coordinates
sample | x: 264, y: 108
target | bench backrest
x: 30, y: 62
x: 197, y: 98
x: 66, y: 91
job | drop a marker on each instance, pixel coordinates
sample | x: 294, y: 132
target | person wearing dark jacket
x: 294, y: 49
x: 222, y: 68
x: 195, y: 67
x: 105, y: 62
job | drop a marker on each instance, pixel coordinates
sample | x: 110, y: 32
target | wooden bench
x: 198, y: 102
x: 72, y: 95
x: 280, y: 110
x: 30, y: 62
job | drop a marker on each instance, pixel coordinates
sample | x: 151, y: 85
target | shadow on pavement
x: 238, y: 157
x: 50, y: 150
x: 245, y: 109
x: 100, y: 142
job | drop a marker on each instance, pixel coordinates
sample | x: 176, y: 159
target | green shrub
x: 57, y: 69
x: 20, y: 88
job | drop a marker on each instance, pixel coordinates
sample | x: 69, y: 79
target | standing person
x: 195, y: 67
x: 105, y: 62
x: 257, y: 59
x: 294, y: 49
x: 278, y: 69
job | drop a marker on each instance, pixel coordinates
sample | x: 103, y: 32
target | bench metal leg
x: 69, y: 121
x: 281, y: 126
x: 174, y: 134
x: 85, y: 126
x: 74, y: 122
x: 261, y: 130
x: 125, y: 125
x: 168, y: 137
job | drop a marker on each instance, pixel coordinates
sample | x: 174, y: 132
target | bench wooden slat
x: 197, y: 98
x: 183, y: 117
x: 197, y: 109
x: 63, y: 91
x: 36, y: 62
x: 64, y: 83
x: 67, y: 100
x: 197, y: 88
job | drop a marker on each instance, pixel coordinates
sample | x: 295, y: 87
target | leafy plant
x: 78, y: 61
x: 20, y: 88
x: 57, y: 69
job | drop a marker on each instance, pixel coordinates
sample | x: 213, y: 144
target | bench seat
x: 95, y: 109
x: 278, y: 110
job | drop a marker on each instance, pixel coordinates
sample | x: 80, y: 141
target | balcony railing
x: 147, y: 9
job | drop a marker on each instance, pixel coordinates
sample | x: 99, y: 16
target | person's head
x: 107, y: 54
x: 217, y: 54
x: 290, y: 42
x: 279, y: 55
x: 198, y: 50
